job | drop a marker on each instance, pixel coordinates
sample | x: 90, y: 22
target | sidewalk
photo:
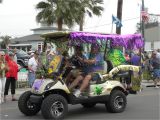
x: 148, y: 83
x: 19, y: 91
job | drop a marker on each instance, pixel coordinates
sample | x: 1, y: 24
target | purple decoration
x: 132, y: 41
x: 37, y: 84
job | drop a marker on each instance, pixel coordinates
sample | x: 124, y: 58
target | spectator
x: 32, y: 67
x: 11, y: 76
x: 158, y: 53
x: 155, y: 65
x: 15, y: 55
x: 136, y: 59
x: 3, y: 69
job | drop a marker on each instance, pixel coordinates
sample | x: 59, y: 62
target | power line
x: 111, y: 23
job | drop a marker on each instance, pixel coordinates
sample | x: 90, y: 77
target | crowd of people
x: 8, y: 75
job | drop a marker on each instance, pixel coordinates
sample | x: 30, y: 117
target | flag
x: 144, y: 16
x: 116, y: 21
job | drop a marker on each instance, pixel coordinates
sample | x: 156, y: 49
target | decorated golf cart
x: 51, y: 94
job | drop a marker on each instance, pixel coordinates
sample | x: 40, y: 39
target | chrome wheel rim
x: 118, y: 102
x: 57, y: 108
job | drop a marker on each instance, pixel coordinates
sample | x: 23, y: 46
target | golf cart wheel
x: 54, y: 107
x: 88, y: 105
x: 26, y: 107
x: 117, y: 102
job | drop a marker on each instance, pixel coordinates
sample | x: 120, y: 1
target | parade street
x: 143, y: 106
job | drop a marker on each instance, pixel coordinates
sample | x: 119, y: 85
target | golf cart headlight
x: 49, y: 85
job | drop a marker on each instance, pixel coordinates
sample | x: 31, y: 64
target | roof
x: 46, y: 28
x: 33, y: 37
x: 60, y: 35
x: 14, y: 45
x: 130, y: 41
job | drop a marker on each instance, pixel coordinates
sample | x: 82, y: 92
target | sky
x: 17, y: 17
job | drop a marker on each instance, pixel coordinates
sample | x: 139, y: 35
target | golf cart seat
x: 120, y: 74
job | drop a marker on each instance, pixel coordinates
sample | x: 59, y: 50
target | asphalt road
x: 143, y: 106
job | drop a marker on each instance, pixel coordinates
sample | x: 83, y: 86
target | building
x: 152, y: 33
x: 33, y: 41
x: 152, y: 36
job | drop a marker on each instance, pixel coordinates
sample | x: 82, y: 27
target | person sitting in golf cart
x: 95, y: 64
x: 79, y: 66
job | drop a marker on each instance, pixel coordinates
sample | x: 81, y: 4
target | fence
x: 22, y: 81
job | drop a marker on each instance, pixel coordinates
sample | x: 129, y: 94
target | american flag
x: 144, y: 16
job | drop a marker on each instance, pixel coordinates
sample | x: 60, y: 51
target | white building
x: 152, y: 35
x: 33, y: 41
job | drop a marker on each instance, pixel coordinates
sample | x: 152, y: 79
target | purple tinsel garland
x: 132, y: 41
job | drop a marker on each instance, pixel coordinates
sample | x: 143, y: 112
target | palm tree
x: 5, y: 41
x: 57, y: 11
x: 91, y: 7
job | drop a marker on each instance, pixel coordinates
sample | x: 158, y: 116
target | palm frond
x: 42, y: 5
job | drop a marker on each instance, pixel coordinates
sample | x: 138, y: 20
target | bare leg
x: 68, y: 78
x: 85, y: 82
x: 75, y: 82
x: 155, y: 82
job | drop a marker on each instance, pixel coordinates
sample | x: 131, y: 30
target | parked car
x: 22, y: 57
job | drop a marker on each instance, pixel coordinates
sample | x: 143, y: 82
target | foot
x: 14, y: 99
x: 5, y: 99
x: 77, y: 93
x: 156, y: 86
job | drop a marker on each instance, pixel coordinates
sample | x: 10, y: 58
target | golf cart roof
x: 130, y: 41
x: 54, y: 36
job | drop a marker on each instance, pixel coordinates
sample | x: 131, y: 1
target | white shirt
x: 32, y: 63
x: 15, y: 58
x: 158, y: 55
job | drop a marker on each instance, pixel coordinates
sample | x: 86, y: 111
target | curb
x: 148, y: 83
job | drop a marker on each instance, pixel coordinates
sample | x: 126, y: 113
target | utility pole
x: 119, y: 14
x: 143, y: 25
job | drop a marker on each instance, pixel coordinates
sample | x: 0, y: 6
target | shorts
x: 95, y: 76
x: 76, y: 72
x: 156, y: 73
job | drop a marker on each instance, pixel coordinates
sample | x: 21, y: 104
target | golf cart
x: 52, y: 96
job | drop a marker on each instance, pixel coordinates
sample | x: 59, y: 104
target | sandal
x: 13, y: 99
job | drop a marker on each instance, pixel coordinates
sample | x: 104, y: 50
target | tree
x: 57, y: 11
x: 89, y: 7
x: 5, y: 41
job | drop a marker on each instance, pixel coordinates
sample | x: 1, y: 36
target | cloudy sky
x: 17, y: 17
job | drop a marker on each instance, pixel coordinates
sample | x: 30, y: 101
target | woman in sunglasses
x: 3, y: 69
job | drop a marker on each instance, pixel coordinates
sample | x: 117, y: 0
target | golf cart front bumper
x: 36, y: 99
